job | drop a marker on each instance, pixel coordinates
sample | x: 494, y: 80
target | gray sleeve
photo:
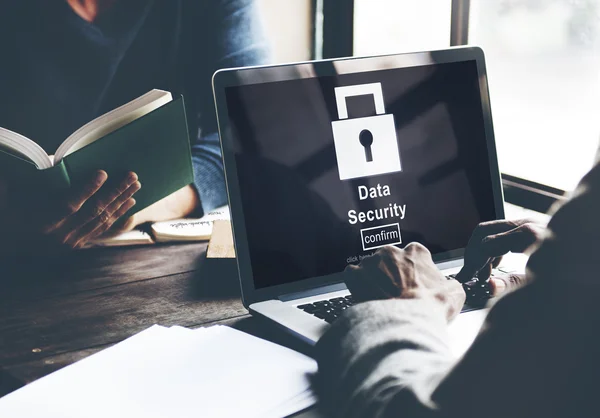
x: 535, y: 356
x: 382, y: 353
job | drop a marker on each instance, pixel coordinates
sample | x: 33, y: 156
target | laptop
x: 327, y: 161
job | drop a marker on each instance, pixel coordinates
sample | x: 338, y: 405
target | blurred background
x: 543, y: 59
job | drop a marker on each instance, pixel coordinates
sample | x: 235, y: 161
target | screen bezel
x: 225, y: 78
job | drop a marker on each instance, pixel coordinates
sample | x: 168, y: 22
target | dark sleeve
x: 231, y: 36
x: 535, y: 356
x: 381, y: 351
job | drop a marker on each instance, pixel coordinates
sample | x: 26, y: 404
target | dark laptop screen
x: 331, y: 168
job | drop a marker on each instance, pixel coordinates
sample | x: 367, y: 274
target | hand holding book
x: 64, y: 199
x: 70, y: 218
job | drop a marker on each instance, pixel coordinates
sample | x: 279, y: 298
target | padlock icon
x: 366, y: 146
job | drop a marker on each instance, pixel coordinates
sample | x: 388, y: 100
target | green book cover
x: 155, y: 146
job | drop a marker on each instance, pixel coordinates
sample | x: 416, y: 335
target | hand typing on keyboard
x: 491, y: 240
x: 478, y: 292
x: 488, y: 243
x: 407, y: 273
x: 410, y: 273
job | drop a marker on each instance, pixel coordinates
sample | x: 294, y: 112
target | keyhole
x: 366, y: 140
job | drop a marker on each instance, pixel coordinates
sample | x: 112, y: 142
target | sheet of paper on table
x: 173, y: 372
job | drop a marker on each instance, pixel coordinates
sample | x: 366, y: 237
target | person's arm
x: 177, y: 205
x: 236, y: 40
x: 35, y: 223
x: 381, y: 350
x: 391, y: 358
x: 229, y: 35
x: 490, y: 241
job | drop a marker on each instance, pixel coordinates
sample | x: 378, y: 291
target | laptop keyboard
x: 328, y: 310
x: 477, y: 292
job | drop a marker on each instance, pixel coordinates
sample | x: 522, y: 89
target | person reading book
x: 74, y: 60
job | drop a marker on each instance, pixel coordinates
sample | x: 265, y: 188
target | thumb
x: 517, y: 240
x: 493, y: 246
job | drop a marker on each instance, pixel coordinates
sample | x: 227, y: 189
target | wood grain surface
x: 55, y: 311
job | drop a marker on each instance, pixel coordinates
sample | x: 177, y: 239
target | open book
x: 148, y: 135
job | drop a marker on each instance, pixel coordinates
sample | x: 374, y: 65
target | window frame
x: 333, y: 37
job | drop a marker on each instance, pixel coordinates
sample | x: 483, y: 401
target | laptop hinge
x: 313, y: 292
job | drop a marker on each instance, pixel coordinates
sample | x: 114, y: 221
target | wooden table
x: 55, y: 311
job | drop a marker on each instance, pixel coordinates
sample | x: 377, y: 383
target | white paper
x: 301, y: 402
x: 161, y: 372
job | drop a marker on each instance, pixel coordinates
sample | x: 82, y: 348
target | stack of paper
x: 174, y: 372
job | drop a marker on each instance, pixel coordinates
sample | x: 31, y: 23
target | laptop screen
x: 331, y: 168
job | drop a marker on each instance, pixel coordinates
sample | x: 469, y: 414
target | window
x: 288, y: 26
x: 391, y: 26
x: 543, y: 59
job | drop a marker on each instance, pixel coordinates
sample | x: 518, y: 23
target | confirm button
x: 380, y: 236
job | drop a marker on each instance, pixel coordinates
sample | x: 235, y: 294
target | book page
x: 111, y: 121
x: 24, y: 148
